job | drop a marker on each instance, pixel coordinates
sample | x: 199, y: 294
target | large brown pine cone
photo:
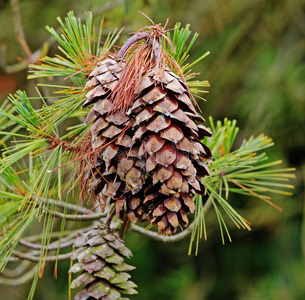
x: 168, y: 138
x: 101, y: 262
x: 116, y: 174
x: 149, y: 159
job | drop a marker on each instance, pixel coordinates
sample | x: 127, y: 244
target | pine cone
x: 149, y: 159
x: 102, y: 264
x: 115, y: 173
x: 169, y: 140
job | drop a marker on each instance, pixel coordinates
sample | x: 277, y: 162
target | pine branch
x: 174, y: 238
x: 34, y: 57
x: 20, y: 269
x: 20, y: 36
x: 80, y: 48
x: 180, y: 37
x: 40, y: 167
x: 159, y: 237
x: 80, y: 218
x: 245, y: 167
x: 62, y: 243
x: 66, y: 205
x: 24, y: 278
x: 18, y: 255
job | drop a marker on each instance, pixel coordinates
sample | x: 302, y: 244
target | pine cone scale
x: 150, y: 157
x: 167, y: 142
x: 116, y: 155
x: 105, y: 276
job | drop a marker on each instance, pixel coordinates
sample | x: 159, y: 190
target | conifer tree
x: 137, y: 151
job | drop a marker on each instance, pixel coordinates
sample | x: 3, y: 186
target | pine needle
x: 240, y: 171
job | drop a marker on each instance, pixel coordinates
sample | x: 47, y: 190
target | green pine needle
x: 180, y: 37
x: 37, y: 165
x: 241, y: 171
x: 81, y: 48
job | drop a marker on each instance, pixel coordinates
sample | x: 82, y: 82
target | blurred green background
x: 256, y: 70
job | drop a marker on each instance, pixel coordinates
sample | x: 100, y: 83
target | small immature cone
x: 101, y: 263
x: 168, y: 137
x: 116, y: 173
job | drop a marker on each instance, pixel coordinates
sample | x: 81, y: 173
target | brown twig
x: 158, y: 237
x: 128, y: 43
x: 63, y: 243
x: 30, y: 245
x: 20, y: 37
x: 26, y: 277
x: 17, y: 271
x: 81, y: 218
x: 17, y: 67
x: 88, y: 216
x: 69, y: 206
x: 173, y: 238
x: 18, y: 255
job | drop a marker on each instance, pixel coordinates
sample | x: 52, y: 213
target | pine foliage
x: 38, y: 176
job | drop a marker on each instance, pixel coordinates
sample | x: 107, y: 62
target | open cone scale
x: 169, y: 143
x: 116, y: 174
x: 149, y: 158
